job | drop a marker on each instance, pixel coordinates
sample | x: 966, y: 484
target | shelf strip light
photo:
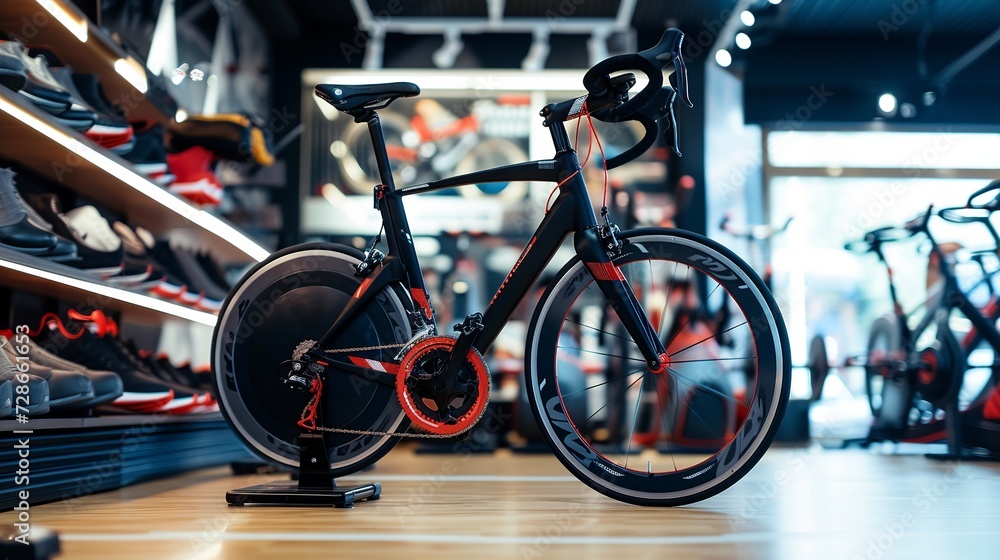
x: 138, y: 182
x: 76, y: 24
x: 118, y: 294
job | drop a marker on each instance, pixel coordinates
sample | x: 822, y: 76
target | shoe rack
x: 85, y: 47
x: 34, y: 140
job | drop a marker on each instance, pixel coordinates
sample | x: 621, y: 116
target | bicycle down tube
x: 571, y: 212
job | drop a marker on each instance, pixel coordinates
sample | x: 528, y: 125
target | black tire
x: 294, y: 295
x: 885, y: 347
x: 672, y: 256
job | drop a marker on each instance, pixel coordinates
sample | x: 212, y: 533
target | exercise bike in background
x: 925, y: 383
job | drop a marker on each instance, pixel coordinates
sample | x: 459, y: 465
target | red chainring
x: 473, y: 362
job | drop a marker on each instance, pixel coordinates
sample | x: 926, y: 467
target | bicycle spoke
x: 600, y: 353
x: 635, y: 415
x: 709, y: 389
x: 670, y: 290
x: 589, y: 418
x: 601, y: 384
x: 710, y: 337
x: 568, y: 320
x: 712, y: 360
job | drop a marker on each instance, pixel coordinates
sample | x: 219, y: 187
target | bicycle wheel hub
x: 433, y: 401
x: 934, y: 374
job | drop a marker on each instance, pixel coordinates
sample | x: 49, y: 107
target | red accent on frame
x: 387, y: 367
x: 604, y: 271
x: 364, y: 286
x: 420, y: 297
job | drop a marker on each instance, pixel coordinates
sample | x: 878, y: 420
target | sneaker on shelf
x: 99, y: 250
x: 16, y: 229
x: 136, y: 258
x: 13, y: 74
x: 114, y: 133
x: 139, y: 243
x: 78, y: 117
x: 163, y: 253
x: 186, y: 399
x: 193, y: 176
x: 214, y: 294
x: 228, y: 136
x: 39, y: 87
x: 214, y: 270
x: 107, y: 385
x: 149, y: 157
x: 38, y: 389
x: 80, y: 340
x: 107, y: 128
x: 64, y: 251
x: 67, y: 389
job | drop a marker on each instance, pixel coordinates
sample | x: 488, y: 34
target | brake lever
x: 669, y: 120
x: 679, y: 79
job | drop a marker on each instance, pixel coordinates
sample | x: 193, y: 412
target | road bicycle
x: 355, y: 332
x: 918, y: 379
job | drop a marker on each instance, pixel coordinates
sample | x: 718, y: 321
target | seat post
x: 381, y: 155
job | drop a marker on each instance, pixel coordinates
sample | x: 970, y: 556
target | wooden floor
x: 800, y: 503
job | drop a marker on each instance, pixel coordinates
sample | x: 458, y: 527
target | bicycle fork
x: 591, y: 248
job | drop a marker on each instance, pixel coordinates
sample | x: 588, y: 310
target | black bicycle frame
x: 571, y: 212
x: 952, y: 297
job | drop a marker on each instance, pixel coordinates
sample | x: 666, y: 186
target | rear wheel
x: 885, y: 350
x: 717, y: 418
x: 291, y: 297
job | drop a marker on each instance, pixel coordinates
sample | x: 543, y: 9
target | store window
x: 838, y: 185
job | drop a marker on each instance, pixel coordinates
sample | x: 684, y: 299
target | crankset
x: 440, y: 404
x: 435, y: 401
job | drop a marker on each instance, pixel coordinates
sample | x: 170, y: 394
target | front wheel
x: 717, y: 417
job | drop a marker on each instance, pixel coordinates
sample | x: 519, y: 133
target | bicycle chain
x: 307, y: 345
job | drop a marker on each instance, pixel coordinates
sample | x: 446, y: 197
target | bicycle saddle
x: 360, y: 100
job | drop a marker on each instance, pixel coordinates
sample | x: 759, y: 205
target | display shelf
x: 69, y: 159
x: 33, y: 274
x: 111, y: 421
x: 113, y: 452
x: 61, y: 27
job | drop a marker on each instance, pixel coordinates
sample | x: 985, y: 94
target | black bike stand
x: 315, y: 486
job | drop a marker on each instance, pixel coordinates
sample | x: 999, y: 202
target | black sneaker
x: 214, y: 271
x: 136, y: 258
x: 16, y: 230
x: 107, y: 385
x: 96, y: 244
x: 214, y: 295
x: 39, y: 87
x: 149, y: 156
x: 164, y: 254
x: 79, y: 342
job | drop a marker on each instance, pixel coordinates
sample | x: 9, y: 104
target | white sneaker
x: 92, y: 229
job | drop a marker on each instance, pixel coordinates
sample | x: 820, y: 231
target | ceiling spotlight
x: 723, y: 57
x: 747, y: 18
x: 775, y: 2
x: 743, y: 41
x: 887, y: 103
